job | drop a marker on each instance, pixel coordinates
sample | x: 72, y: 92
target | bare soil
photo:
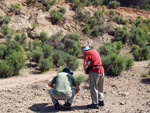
x: 28, y: 92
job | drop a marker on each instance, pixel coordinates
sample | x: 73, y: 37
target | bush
x: 72, y: 36
x: 36, y: 44
x: 4, y: 20
x: 47, y: 51
x: 13, y: 46
x: 3, y: 49
x: 44, y: 64
x: 43, y: 36
x: 5, y: 69
x: 121, y: 34
x: 118, y: 66
x: 97, y: 30
x: 47, y: 4
x: 129, y: 62
x: 71, y: 47
x: 58, y: 58
x: 114, y: 4
x: 108, y: 61
x: 37, y: 55
x: 141, y: 53
x: 72, y: 62
x: 57, y: 16
x: 4, y: 29
x: 17, y: 60
x: 21, y: 39
x: 109, y: 48
x: 16, y: 8
x: 79, y: 79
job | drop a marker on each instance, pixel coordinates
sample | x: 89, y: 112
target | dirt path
x: 28, y: 93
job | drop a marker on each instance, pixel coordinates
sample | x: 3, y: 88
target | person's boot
x: 101, y: 103
x: 57, y: 106
x: 93, y: 106
x: 67, y: 106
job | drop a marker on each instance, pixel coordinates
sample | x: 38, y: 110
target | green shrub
x: 114, y: 4
x: 97, y: 30
x: 109, y: 48
x: 62, y: 10
x: 141, y: 53
x: 45, y: 64
x: 58, y: 58
x: 118, y: 66
x: 72, y: 47
x: 4, y: 29
x: 3, y: 49
x: 146, y: 53
x: 80, y: 78
x: 129, y: 62
x: 29, y: 55
x: 34, y: 24
x: 43, y: 36
x: 21, y: 39
x: 145, y: 74
x: 57, y: 16
x: 17, y: 60
x: 73, y: 36
x: 108, y: 61
x: 6, y: 70
x: 76, y: 3
x: 72, y: 62
x: 121, y: 34
x: 13, y: 46
x: 48, y: 3
x: 16, y: 8
x: 4, y: 20
x: 47, y: 51
x: 112, y: 12
x: 37, y: 55
x: 36, y: 44
x: 55, y: 40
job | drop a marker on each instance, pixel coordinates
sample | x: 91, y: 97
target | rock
x: 123, y: 93
x: 50, y: 30
x: 122, y: 103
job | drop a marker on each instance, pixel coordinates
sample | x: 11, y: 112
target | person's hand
x: 77, y: 89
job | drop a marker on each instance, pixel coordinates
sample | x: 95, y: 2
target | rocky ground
x: 28, y: 93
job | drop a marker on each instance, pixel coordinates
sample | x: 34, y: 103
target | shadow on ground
x: 45, y: 108
x: 146, y: 81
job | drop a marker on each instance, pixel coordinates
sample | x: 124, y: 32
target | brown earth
x: 28, y: 92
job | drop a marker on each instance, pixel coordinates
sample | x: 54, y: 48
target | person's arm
x: 77, y: 89
x: 50, y: 85
x: 85, y: 65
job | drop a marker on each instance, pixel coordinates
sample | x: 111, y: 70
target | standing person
x: 93, y: 66
x: 63, y: 90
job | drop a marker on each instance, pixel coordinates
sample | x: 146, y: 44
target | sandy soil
x: 28, y: 93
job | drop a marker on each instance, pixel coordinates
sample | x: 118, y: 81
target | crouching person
x: 62, y: 85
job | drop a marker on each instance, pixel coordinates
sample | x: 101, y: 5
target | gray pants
x: 68, y: 98
x: 96, y: 86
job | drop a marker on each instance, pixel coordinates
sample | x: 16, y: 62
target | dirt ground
x: 28, y: 93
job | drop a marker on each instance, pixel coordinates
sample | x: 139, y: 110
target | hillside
x: 28, y: 92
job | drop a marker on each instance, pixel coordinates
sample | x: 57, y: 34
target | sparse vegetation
x: 16, y: 8
x: 80, y: 78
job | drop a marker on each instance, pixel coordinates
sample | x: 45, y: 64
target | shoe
x: 67, y: 106
x: 57, y: 106
x: 93, y: 106
x: 101, y: 103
